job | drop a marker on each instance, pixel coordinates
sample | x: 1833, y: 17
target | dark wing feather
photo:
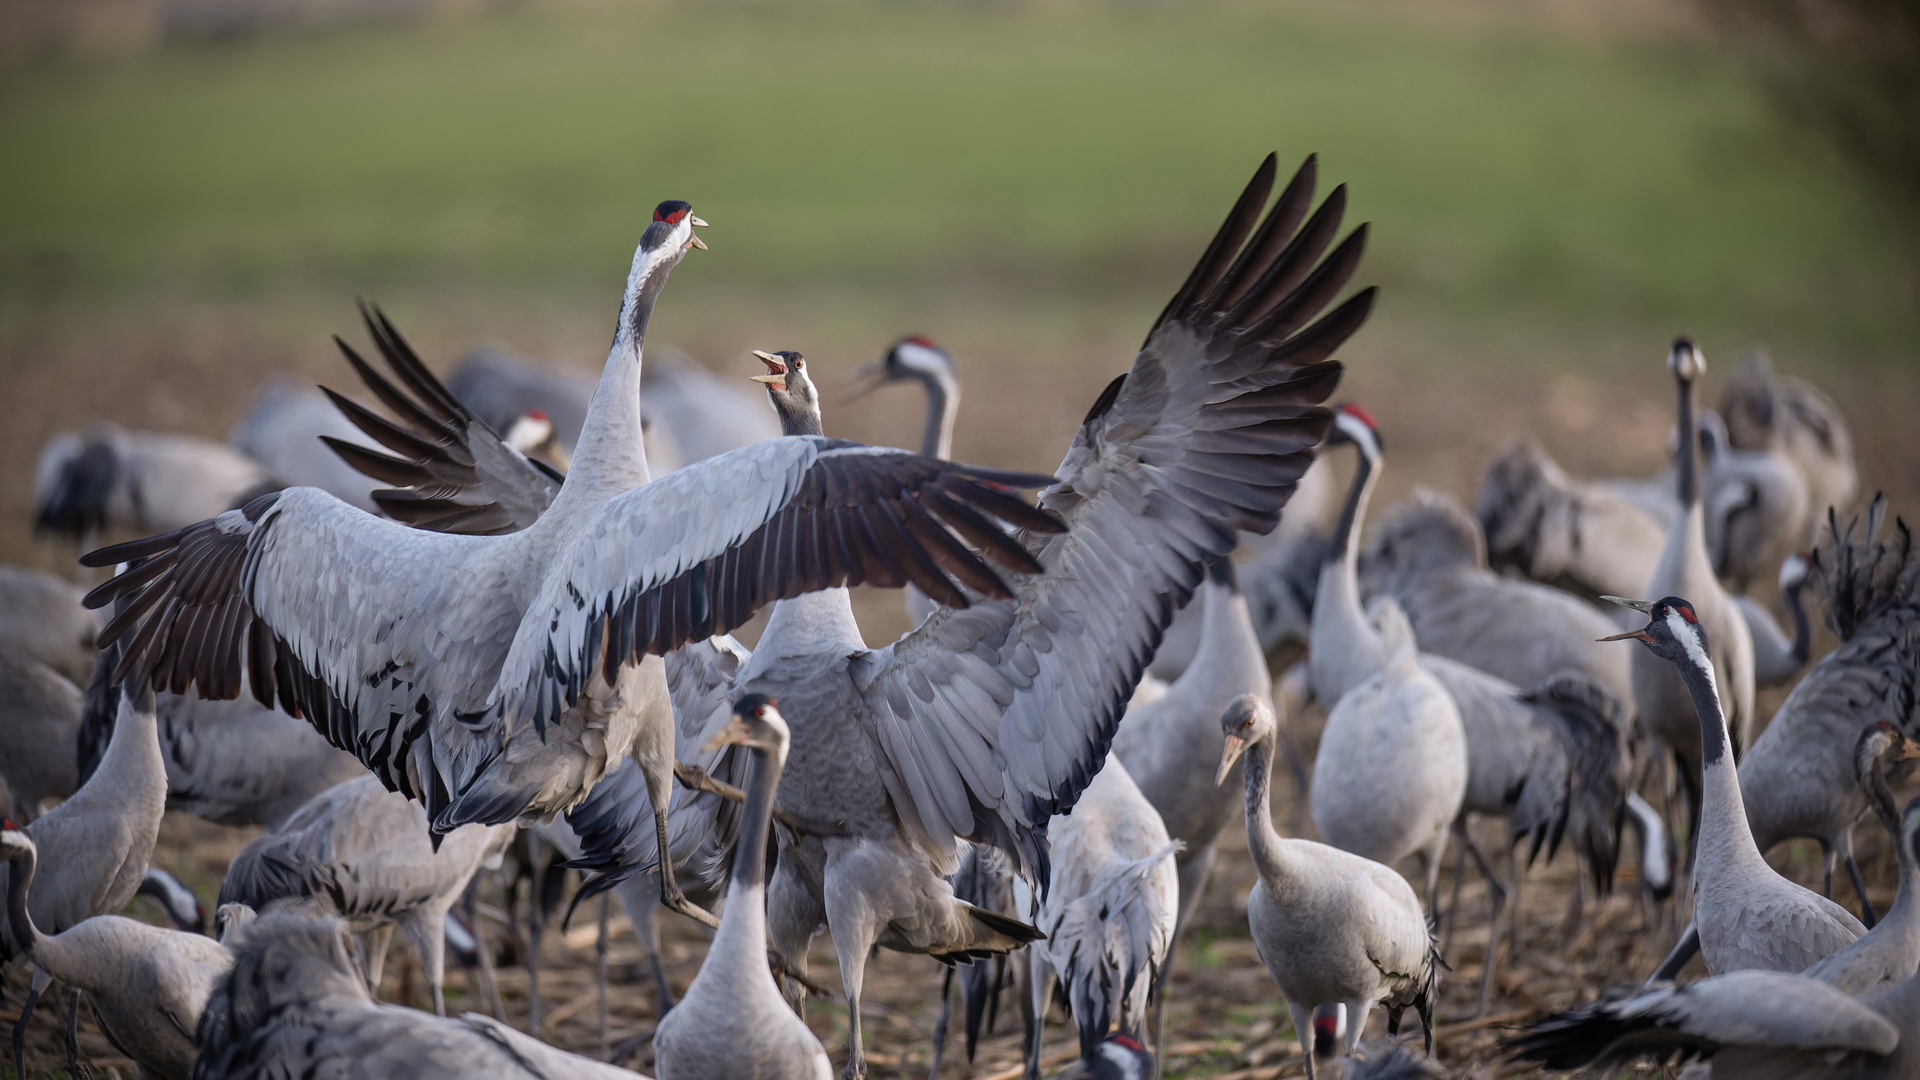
x: 453, y: 472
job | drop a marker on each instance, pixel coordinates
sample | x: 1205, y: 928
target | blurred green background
x: 1556, y: 189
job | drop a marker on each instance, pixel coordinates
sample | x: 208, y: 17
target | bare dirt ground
x: 1224, y: 1017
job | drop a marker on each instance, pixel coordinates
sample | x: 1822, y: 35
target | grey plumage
x: 295, y: 1004
x: 230, y: 762
x: 282, y: 430
x: 1664, y: 706
x: 1429, y: 555
x: 39, y: 721
x: 1790, y: 417
x: 1778, y: 656
x: 733, y: 1021
x: 98, y: 841
x: 1750, y: 1024
x: 1538, y: 758
x: 139, y: 480
x: 366, y: 854
x: 1746, y: 914
x: 41, y: 617
x: 1891, y: 950
x: 1554, y: 528
x: 509, y: 673
x: 1278, y: 573
x: 1109, y: 912
x: 688, y: 413
x: 147, y: 985
x: 1798, y: 777
x: 1333, y: 928
x: 1174, y: 742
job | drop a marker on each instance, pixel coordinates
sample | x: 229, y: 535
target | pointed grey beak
x: 776, y: 375
x: 1231, y: 754
x: 692, y: 240
x: 1634, y: 635
x: 1637, y: 605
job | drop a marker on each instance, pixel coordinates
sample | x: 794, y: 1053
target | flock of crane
x: 407, y: 641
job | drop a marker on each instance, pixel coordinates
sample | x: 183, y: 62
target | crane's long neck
x: 132, y: 771
x: 1345, y: 647
x: 1270, y: 855
x: 742, y: 937
x: 1229, y: 653
x: 610, y: 456
x: 943, y: 405
x: 1686, y: 465
x: 26, y: 936
x: 1724, y: 833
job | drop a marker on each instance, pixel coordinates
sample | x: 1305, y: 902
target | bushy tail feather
x: 1586, y: 717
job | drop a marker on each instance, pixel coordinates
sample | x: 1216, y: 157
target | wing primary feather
x: 1318, y: 290
x: 1293, y: 264
x: 390, y: 395
x: 1275, y: 232
x: 406, y: 364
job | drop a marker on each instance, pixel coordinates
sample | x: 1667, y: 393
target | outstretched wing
x: 697, y: 552
x: 453, y: 472
x: 362, y: 626
x: 994, y: 718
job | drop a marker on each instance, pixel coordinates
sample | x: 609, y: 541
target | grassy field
x: 1035, y: 166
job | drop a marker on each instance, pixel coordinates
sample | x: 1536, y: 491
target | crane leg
x: 1303, y: 1030
x: 426, y: 930
x: 600, y: 973
x: 640, y: 899
x: 1453, y: 902
x: 1515, y: 918
x: 489, y: 986
x: 40, y: 981
x: 1193, y: 884
x: 860, y: 934
x: 377, y: 941
x: 1867, y: 914
x: 1683, y: 951
x: 73, y: 1036
x: 1496, y: 902
x: 659, y: 777
x: 1040, y: 978
x: 940, y: 1025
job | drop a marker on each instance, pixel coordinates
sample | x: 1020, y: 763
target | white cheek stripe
x: 1689, y: 636
x: 1359, y: 432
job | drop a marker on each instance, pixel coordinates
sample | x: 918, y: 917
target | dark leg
x: 1453, y: 902
x: 940, y: 1025
x: 489, y: 986
x: 20, y: 1030
x: 1496, y: 900
x: 1683, y: 951
x: 1867, y: 914
x: 1193, y: 884
x: 659, y: 792
x: 74, y: 1068
x: 600, y: 972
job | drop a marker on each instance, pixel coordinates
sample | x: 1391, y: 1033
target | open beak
x: 1630, y: 635
x: 776, y: 376
x: 1235, y: 745
x: 865, y: 379
x: 692, y: 240
x: 733, y: 734
x: 1637, y: 605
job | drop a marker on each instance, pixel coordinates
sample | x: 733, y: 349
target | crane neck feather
x: 943, y: 406
x: 26, y: 936
x: 610, y: 455
x: 1686, y: 470
x: 742, y: 937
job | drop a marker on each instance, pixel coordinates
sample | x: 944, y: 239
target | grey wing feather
x: 994, y: 719
x: 1739, y: 1009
